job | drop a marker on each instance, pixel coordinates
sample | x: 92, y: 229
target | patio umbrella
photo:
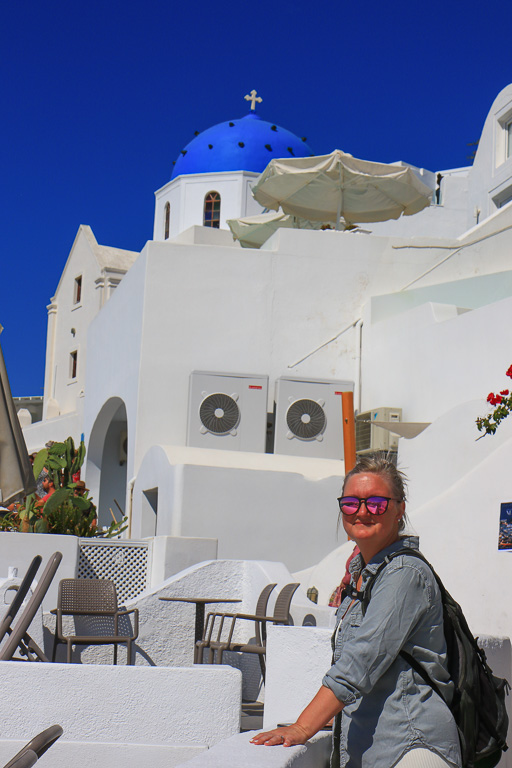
x: 327, y: 187
x: 16, y: 476
x: 253, y: 231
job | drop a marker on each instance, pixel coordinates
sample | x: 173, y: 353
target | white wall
x: 18, y: 550
x: 186, y: 194
x: 447, y: 219
x: 491, y: 176
x: 256, y: 505
x: 440, y: 357
x: 238, y: 751
x: 151, y: 708
x: 113, y: 371
x: 70, y: 315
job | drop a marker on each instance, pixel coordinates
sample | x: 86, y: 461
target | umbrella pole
x: 338, y: 214
x: 340, y: 203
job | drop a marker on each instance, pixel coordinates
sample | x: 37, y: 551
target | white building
x: 415, y: 316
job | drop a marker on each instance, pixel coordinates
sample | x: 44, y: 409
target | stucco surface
x: 238, y: 751
x: 196, y: 706
x: 297, y: 660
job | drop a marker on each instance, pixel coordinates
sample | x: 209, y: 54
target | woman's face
x: 372, y: 532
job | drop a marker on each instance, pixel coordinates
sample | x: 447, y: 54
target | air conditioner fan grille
x: 219, y: 413
x: 305, y: 419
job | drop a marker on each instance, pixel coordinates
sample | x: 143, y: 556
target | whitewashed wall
x: 166, y: 714
x: 257, y: 505
x: 491, y: 175
x: 186, y: 194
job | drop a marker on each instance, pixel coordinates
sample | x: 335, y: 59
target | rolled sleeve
x: 401, y: 596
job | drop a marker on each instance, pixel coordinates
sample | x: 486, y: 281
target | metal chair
x: 19, y: 639
x: 21, y: 593
x: 261, y: 608
x: 97, y: 600
x: 281, y: 616
x: 31, y: 752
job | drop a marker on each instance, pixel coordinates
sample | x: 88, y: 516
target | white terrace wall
x: 164, y: 715
x: 258, y: 506
x: 457, y: 486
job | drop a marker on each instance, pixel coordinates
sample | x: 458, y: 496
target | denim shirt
x: 389, y: 709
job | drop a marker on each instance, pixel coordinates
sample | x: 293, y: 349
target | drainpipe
x: 130, y: 505
x: 357, y: 377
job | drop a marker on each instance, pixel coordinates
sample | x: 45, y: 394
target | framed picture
x: 505, y: 537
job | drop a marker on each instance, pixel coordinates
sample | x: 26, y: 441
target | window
x: 508, y: 129
x: 211, y: 216
x: 167, y: 220
x: 73, y: 363
x: 77, y: 292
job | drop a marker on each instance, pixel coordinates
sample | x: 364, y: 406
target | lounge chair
x: 281, y: 616
x: 31, y: 752
x: 19, y: 639
x: 261, y: 609
x: 21, y: 593
x: 97, y: 600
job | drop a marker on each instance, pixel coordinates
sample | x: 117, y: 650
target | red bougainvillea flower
x: 509, y: 372
x: 490, y: 398
x: 504, y: 392
x: 497, y: 399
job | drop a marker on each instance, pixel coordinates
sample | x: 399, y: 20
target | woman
x: 386, y: 715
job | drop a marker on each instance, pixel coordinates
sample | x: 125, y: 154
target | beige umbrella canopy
x: 253, y: 231
x: 16, y: 476
x: 328, y: 187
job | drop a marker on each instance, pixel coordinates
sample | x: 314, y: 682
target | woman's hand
x: 286, y: 736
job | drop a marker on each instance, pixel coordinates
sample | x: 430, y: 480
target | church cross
x: 253, y: 98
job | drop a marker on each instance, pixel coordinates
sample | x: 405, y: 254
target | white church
x: 189, y: 367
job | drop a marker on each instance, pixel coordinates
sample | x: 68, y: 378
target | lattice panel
x: 126, y: 563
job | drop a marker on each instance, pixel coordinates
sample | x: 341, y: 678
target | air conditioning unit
x: 227, y: 411
x: 369, y: 437
x: 309, y: 418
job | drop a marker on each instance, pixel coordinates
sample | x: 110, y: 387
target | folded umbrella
x: 16, y: 476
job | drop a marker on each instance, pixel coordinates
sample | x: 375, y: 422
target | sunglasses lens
x: 377, y: 505
x: 349, y: 505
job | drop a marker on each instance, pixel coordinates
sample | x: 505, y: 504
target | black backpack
x: 478, y: 704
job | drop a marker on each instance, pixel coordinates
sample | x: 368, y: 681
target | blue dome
x: 247, y: 144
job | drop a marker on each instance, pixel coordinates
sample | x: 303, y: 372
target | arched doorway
x: 106, y: 464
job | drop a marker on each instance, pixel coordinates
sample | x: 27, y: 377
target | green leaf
x: 57, y: 449
x: 41, y: 526
x: 40, y: 462
x: 57, y: 498
x: 80, y: 503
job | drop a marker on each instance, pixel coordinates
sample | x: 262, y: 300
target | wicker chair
x: 281, y: 616
x: 96, y: 600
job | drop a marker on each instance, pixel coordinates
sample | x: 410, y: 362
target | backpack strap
x: 366, y: 596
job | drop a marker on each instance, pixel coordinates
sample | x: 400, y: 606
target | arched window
x: 167, y: 220
x: 211, y: 214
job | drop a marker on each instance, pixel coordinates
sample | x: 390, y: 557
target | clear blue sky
x: 99, y: 98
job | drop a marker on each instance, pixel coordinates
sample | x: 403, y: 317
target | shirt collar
x: 357, y: 564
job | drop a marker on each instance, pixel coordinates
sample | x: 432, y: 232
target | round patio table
x: 200, y: 603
